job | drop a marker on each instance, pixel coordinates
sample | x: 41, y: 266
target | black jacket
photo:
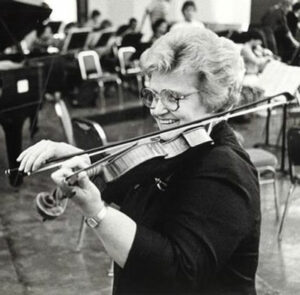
x: 200, y: 235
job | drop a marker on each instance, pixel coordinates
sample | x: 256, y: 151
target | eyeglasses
x: 169, y: 98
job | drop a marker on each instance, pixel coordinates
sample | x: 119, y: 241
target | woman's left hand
x: 84, y: 193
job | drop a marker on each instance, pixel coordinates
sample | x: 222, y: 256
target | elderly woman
x: 200, y: 233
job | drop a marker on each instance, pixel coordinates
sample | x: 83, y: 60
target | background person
x: 94, y: 21
x: 160, y: 28
x: 276, y: 20
x: 188, y: 10
x: 157, y: 9
x: 293, y: 19
x: 44, y: 39
x: 129, y: 28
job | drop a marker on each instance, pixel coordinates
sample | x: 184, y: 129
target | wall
x: 119, y: 11
x: 65, y: 10
x: 213, y: 12
x: 227, y: 12
x: 209, y: 11
x: 101, y: 5
x: 221, y: 14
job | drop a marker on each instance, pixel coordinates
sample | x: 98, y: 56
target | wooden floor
x: 40, y: 258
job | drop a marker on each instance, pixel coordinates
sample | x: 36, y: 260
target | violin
x: 126, y: 168
x: 122, y: 162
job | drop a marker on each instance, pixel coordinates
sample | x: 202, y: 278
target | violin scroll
x: 51, y: 205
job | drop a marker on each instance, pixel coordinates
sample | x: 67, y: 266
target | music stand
x: 140, y: 49
x: 103, y: 39
x: 55, y: 26
x: 132, y: 39
x: 76, y: 39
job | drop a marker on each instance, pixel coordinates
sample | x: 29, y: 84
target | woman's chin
x: 170, y: 134
x: 163, y: 126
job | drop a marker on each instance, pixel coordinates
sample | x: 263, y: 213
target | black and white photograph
x: 149, y: 147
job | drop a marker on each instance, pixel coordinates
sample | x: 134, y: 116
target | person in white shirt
x: 94, y: 21
x: 189, y: 10
x: 157, y: 9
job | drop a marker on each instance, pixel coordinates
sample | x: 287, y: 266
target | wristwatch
x: 94, y: 221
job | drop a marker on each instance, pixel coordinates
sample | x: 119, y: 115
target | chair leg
x: 81, y: 234
x: 102, y: 96
x: 120, y: 92
x: 291, y: 190
x: 139, y: 82
x: 279, y: 137
x: 110, y: 271
x: 276, y: 200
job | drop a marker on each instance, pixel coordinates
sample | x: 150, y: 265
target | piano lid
x: 17, y: 19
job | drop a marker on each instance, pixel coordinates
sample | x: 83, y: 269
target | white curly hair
x: 216, y: 60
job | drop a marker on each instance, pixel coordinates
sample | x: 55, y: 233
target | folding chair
x: 265, y: 164
x: 127, y: 67
x: 90, y: 69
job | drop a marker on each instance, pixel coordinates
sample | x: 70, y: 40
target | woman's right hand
x: 35, y: 156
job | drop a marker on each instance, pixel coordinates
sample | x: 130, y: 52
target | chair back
x: 293, y: 145
x: 124, y: 55
x: 88, y: 134
x: 62, y: 112
x: 89, y: 64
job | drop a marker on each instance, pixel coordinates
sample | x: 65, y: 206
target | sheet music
x: 279, y: 77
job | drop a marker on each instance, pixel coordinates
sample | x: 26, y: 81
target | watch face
x: 91, y: 222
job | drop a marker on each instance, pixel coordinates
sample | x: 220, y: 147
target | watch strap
x: 94, y: 221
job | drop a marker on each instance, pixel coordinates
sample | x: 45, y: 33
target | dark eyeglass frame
x: 161, y: 96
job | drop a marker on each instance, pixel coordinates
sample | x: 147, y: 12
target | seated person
x: 68, y: 27
x: 105, y: 24
x: 94, y: 21
x: 255, y: 56
x: 251, y: 46
x: 160, y: 27
x: 106, y: 52
x: 94, y: 36
x: 44, y: 39
x: 188, y: 10
x: 129, y: 28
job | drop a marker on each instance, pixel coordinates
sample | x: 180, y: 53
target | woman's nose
x: 158, y: 108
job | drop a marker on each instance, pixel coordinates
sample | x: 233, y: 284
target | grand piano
x: 21, y: 83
